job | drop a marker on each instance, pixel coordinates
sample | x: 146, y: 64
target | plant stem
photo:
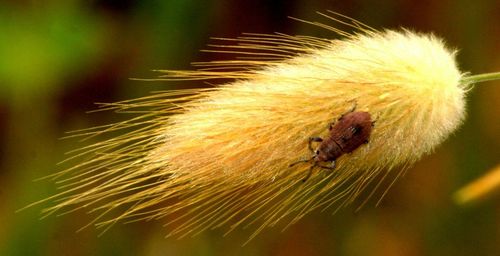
x: 481, y: 78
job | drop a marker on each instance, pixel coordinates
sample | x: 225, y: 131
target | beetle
x: 351, y: 130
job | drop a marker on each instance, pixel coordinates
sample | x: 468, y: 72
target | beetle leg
x: 331, y: 125
x: 354, y: 106
x: 301, y: 161
x: 374, y: 121
x: 332, y: 165
x: 315, y: 139
x: 310, y: 172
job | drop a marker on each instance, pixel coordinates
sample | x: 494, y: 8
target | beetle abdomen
x: 352, y: 130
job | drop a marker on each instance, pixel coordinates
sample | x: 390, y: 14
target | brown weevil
x: 350, y: 131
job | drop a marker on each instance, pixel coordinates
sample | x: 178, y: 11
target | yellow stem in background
x: 480, y: 188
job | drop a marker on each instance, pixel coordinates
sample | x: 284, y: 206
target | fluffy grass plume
x: 219, y: 156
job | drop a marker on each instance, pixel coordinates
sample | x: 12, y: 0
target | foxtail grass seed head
x: 220, y: 156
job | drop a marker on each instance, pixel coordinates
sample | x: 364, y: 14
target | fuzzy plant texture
x: 220, y: 156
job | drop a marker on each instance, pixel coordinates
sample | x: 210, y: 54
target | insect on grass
x: 219, y: 157
x: 350, y: 132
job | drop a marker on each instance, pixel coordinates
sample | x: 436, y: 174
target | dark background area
x: 57, y: 58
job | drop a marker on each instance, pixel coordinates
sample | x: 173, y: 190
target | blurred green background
x: 58, y: 57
